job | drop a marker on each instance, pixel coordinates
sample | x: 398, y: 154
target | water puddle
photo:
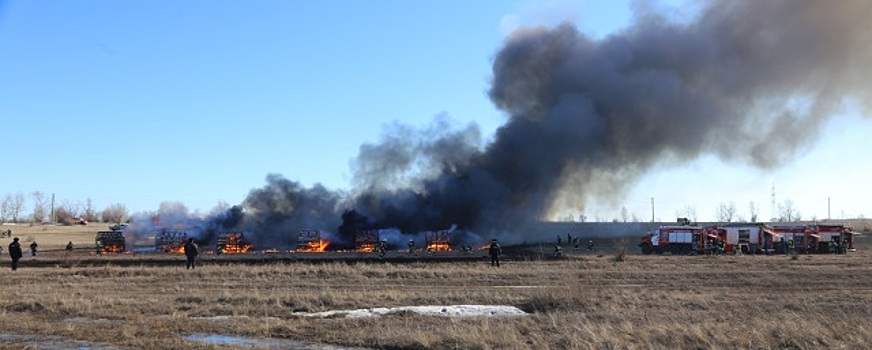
x: 268, y: 343
x: 48, y: 342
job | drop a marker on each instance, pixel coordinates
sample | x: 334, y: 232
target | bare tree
x: 787, y: 212
x: 64, y: 215
x: 689, y: 211
x: 68, y: 212
x: 17, y: 206
x: 582, y: 217
x: 116, y: 213
x: 726, y: 212
x: 89, y: 213
x: 755, y: 212
x: 5, y: 207
x: 40, y: 207
x: 625, y: 214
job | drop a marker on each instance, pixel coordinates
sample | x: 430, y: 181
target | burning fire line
x: 438, y: 247
x: 318, y: 246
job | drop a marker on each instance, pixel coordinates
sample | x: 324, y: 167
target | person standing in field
x: 191, y: 253
x: 33, y: 247
x: 495, y: 252
x: 15, y: 253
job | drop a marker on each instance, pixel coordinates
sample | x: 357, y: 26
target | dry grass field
x: 586, y: 301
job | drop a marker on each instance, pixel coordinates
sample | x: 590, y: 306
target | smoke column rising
x: 750, y: 81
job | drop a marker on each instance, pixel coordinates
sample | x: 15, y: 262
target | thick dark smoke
x: 278, y: 211
x: 751, y: 81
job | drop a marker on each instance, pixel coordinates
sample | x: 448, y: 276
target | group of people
x: 16, y: 253
x: 575, y: 241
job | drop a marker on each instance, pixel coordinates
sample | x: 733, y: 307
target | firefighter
x: 411, y: 246
x: 191, y: 254
x: 495, y: 251
x: 381, y: 249
x: 99, y: 247
x: 790, y: 246
x: 590, y: 245
x: 69, y: 248
x: 558, y: 251
x: 15, y: 253
x: 721, y: 247
x: 33, y: 247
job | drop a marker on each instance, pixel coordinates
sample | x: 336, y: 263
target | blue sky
x: 197, y: 101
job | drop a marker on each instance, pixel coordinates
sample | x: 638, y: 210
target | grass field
x: 586, y: 301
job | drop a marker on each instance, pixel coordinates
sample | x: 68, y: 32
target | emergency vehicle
x: 676, y: 239
x: 748, y: 238
x: 833, y: 236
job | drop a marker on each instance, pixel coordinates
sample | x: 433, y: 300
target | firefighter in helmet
x: 495, y: 251
x: 191, y: 253
x: 411, y: 246
x: 15, y: 252
x: 382, y: 249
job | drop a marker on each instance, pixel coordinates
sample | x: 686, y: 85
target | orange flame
x: 438, y: 247
x: 318, y: 246
x: 366, y: 247
x: 112, y: 248
x: 234, y: 244
x: 236, y: 248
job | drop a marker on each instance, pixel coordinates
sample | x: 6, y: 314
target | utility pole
x: 652, y: 209
x: 52, y: 218
x: 772, y: 204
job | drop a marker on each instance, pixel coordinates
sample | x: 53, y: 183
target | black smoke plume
x: 750, y: 81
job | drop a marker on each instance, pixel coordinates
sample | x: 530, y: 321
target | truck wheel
x: 646, y: 249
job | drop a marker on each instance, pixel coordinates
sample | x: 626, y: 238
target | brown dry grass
x: 51, y: 237
x: 584, y: 302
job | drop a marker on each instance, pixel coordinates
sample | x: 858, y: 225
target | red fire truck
x: 833, y: 238
x: 678, y: 239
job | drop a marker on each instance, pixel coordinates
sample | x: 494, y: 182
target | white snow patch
x: 427, y: 310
